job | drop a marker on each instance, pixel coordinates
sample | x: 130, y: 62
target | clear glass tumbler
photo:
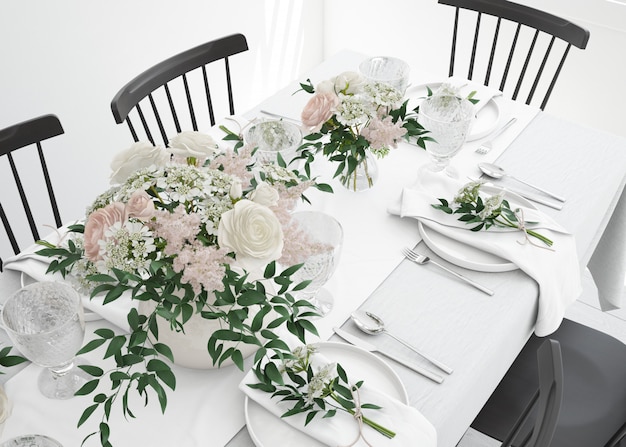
x: 45, y: 321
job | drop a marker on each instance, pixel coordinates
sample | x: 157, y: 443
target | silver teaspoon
x: 374, y: 325
x: 495, y: 171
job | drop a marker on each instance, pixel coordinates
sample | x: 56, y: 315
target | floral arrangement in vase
x: 350, y: 119
x: 190, y: 233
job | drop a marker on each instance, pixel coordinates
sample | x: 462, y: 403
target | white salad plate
x: 467, y: 256
x: 267, y: 430
x: 486, y: 120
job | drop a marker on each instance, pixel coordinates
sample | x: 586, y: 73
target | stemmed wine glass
x: 325, y: 234
x: 448, y: 119
x: 45, y: 321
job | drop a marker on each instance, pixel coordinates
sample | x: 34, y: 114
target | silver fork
x: 421, y: 259
x: 488, y: 145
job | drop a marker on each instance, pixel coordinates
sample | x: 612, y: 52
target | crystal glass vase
x: 364, y: 175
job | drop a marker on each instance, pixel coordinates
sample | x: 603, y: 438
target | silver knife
x: 356, y: 341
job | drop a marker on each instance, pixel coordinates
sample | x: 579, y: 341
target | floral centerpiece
x: 350, y: 118
x: 194, y: 232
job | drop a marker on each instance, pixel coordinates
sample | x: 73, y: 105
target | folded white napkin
x: 36, y: 266
x: 556, y: 271
x: 484, y: 93
x: 410, y: 426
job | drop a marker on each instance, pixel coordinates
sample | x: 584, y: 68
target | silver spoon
x: 374, y: 325
x: 495, y: 171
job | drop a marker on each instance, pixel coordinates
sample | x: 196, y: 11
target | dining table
x: 478, y: 335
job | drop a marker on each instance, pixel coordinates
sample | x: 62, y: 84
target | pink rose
x: 99, y: 221
x: 140, y: 206
x: 319, y: 109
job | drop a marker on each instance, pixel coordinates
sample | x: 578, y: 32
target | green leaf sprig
x: 483, y: 214
x: 290, y: 377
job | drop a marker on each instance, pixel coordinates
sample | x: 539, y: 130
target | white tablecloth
x: 477, y: 335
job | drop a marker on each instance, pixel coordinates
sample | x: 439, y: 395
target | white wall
x: 70, y: 57
x: 590, y: 90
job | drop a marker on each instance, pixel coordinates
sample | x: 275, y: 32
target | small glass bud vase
x: 364, y: 175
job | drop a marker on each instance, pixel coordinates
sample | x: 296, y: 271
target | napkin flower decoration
x: 485, y: 213
x: 314, y: 389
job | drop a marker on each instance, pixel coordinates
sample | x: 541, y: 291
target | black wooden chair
x: 22, y: 135
x: 593, y: 408
x: 506, y: 41
x: 167, y: 90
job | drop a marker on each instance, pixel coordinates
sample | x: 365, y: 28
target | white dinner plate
x: 267, y: 430
x: 25, y: 280
x: 486, y: 119
x: 468, y: 256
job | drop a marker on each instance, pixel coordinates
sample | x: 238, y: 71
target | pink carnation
x: 319, y: 109
x: 98, y: 222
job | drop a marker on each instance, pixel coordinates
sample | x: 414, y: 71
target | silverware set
x: 373, y: 325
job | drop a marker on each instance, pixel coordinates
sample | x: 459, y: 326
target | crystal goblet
x: 448, y: 119
x: 389, y: 70
x: 45, y: 321
x: 324, y: 235
x: 31, y: 441
x: 271, y: 137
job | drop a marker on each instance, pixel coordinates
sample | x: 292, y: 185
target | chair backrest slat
x: 540, y: 71
x: 46, y: 176
x: 470, y: 73
x: 493, y: 51
x: 485, y: 48
x: 158, y: 119
x: 170, y: 102
x: 192, y: 113
x: 179, y: 66
x: 207, y: 91
x: 229, y: 86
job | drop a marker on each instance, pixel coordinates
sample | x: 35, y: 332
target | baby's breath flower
x: 469, y: 192
x: 352, y: 111
x: 492, y: 206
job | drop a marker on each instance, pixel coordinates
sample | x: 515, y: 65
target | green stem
x: 533, y: 233
x: 367, y: 421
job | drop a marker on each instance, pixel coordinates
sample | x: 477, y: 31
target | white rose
x: 253, y: 232
x: 235, y: 190
x: 325, y: 87
x: 139, y: 155
x: 193, y: 144
x: 5, y: 406
x: 265, y: 194
x: 348, y: 83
